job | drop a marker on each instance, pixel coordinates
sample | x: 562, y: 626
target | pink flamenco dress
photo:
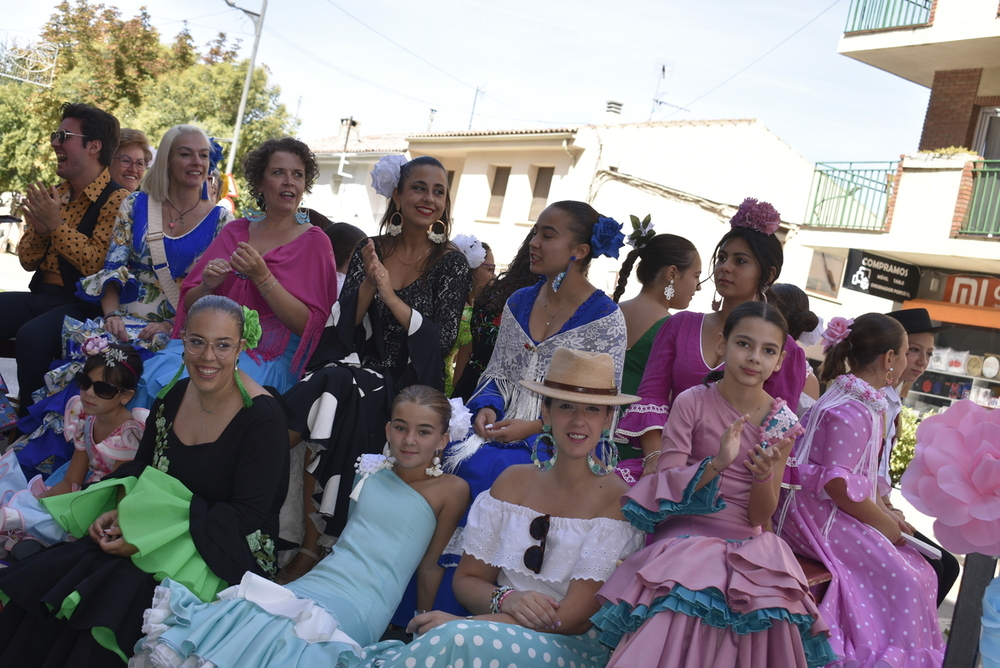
x: 881, y: 603
x: 711, y: 591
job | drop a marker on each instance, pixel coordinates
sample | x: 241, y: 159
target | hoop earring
x: 557, y: 281
x: 668, y: 291
x: 435, y: 468
x: 438, y: 237
x: 609, y: 454
x: 393, y: 229
x: 302, y: 215
x: 551, y: 443
x: 888, y: 377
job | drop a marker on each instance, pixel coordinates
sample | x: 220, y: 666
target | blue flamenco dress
x: 333, y: 616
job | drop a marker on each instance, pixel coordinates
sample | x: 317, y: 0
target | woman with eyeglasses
x: 540, y: 541
x: 199, y: 505
x: 133, y: 157
x: 103, y: 432
x: 160, y: 233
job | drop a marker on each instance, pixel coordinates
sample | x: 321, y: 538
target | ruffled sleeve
x: 837, y: 445
x: 651, y: 411
x: 671, y: 491
x: 75, y: 423
x: 122, y: 444
x: 116, y: 262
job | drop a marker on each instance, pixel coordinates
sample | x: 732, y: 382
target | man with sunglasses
x: 69, y: 230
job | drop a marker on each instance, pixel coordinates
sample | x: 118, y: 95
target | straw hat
x: 581, y: 377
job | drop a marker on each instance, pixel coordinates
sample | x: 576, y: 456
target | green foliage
x: 906, y: 442
x: 121, y: 66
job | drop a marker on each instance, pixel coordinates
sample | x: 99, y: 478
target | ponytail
x: 625, y: 271
x: 871, y: 336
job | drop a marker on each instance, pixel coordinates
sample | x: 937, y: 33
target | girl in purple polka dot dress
x: 881, y: 604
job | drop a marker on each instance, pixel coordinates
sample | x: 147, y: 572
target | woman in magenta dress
x: 881, y: 604
x: 746, y: 262
x: 713, y: 590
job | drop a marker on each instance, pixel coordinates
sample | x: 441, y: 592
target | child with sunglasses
x: 715, y: 589
x: 103, y: 431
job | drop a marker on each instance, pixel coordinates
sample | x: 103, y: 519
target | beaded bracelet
x: 767, y: 479
x: 645, y: 460
x: 711, y: 462
x: 497, y: 597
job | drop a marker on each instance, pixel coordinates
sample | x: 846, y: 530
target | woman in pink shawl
x: 272, y: 261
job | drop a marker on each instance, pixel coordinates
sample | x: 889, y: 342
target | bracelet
x: 271, y: 287
x: 113, y: 314
x: 269, y: 275
x: 497, y: 597
x: 711, y: 462
x: 645, y: 460
x: 767, y: 479
x: 502, y: 597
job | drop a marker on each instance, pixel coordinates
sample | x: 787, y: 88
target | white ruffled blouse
x: 498, y: 534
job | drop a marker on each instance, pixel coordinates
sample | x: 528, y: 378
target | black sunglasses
x: 101, y: 389
x: 533, y: 556
x: 61, y: 135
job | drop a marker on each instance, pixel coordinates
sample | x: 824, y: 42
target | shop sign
x: 881, y: 277
x: 980, y: 291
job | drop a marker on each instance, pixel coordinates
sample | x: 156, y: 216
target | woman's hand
x: 154, y: 328
x: 729, y: 447
x: 108, y: 535
x: 377, y: 274
x: 214, y: 274
x: 508, y: 431
x: 532, y: 610
x: 485, y: 416
x: 246, y: 260
x: 426, y: 621
x: 116, y: 327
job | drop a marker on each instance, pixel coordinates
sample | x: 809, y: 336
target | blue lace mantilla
x: 705, y: 501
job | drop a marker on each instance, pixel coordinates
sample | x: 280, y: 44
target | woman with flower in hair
x: 881, y: 604
x: 198, y: 504
x: 395, y: 322
x: 483, y: 267
x: 103, y: 432
x: 745, y: 263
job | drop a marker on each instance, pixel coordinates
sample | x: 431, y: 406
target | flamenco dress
x: 711, y: 590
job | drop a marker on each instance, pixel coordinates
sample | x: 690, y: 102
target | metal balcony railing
x: 878, y: 14
x: 850, y: 195
x: 983, y: 215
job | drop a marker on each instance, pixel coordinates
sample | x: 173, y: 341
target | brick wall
x: 964, y: 198
x: 891, y: 206
x: 951, y: 112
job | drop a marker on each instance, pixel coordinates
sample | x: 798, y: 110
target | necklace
x: 221, y: 401
x: 410, y: 264
x: 181, y: 215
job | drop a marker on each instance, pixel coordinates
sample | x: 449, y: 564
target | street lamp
x: 258, y: 24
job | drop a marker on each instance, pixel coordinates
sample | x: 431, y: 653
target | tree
x: 122, y: 67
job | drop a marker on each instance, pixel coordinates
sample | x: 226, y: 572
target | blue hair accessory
x: 607, y: 238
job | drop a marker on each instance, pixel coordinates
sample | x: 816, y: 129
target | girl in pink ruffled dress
x: 881, y: 604
x: 714, y: 590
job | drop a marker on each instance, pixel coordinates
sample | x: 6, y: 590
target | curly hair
x: 255, y: 163
x: 518, y: 275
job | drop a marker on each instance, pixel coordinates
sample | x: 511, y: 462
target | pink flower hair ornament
x: 759, y: 216
x: 838, y: 330
x: 94, y: 345
x: 955, y: 477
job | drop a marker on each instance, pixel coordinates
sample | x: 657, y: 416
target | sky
x: 555, y: 63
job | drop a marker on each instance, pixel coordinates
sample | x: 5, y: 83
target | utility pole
x: 258, y: 25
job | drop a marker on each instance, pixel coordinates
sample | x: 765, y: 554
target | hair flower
x: 461, y: 420
x: 94, y: 345
x: 113, y: 357
x: 251, y: 327
x: 607, y: 238
x: 642, y: 232
x: 472, y: 248
x: 955, y: 475
x: 838, y: 330
x: 385, y: 175
x: 214, y: 154
x: 759, y: 216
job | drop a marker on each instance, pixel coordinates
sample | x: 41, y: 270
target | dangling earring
x: 392, y: 228
x: 386, y: 452
x: 557, y: 281
x: 716, y: 301
x: 438, y: 237
x: 302, y: 215
x: 609, y: 453
x: 435, y: 467
x: 888, y: 377
x: 551, y: 444
x: 255, y: 215
x: 668, y: 291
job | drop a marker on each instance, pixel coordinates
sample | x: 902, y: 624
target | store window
x: 825, y: 273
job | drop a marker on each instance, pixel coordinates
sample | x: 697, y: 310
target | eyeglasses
x: 101, y: 389
x: 60, y: 136
x: 197, y: 346
x: 127, y: 162
x: 533, y: 556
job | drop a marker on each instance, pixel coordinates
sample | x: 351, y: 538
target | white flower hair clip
x: 114, y: 356
x: 385, y: 175
x: 472, y: 248
x: 461, y: 420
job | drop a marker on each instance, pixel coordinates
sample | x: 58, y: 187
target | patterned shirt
x: 86, y: 254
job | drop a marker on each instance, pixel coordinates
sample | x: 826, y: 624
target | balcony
x: 880, y: 14
x: 850, y: 195
x: 983, y: 215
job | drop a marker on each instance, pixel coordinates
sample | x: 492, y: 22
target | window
x: 540, y: 191
x: 497, y: 191
x: 825, y: 274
